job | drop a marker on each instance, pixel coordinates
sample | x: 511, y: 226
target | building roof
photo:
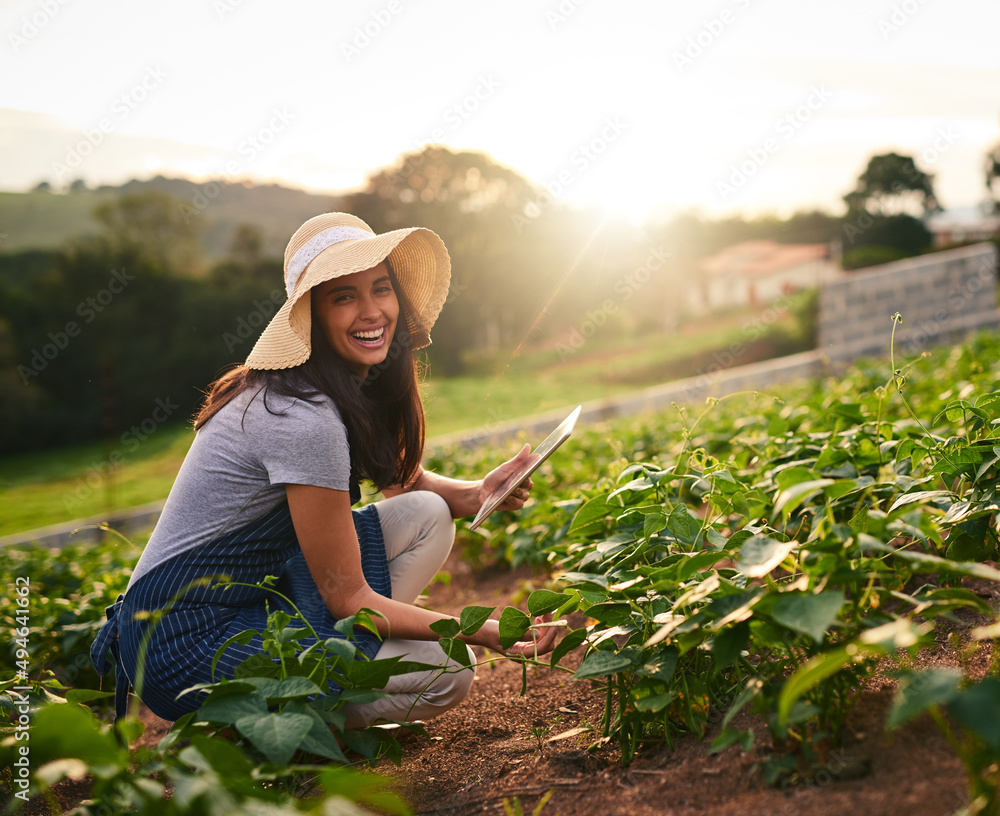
x: 760, y: 259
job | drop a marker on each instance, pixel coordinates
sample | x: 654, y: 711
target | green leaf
x: 344, y: 649
x: 793, y: 496
x: 810, y: 614
x: 349, y: 785
x: 840, y: 487
x: 285, y: 688
x: 320, y: 740
x: 849, y: 410
x: 456, y: 650
x: 611, y: 614
x: 928, y: 496
x: 716, y: 539
x: 242, y: 638
x: 640, y: 484
x: 86, y: 695
x: 376, y: 673
x: 732, y: 737
x: 655, y: 703
x: 753, y: 687
x: 905, y: 449
x: 971, y: 541
x: 959, y: 511
x: 919, y: 691
x: 653, y: 523
x: 925, y: 562
x: 696, y: 562
x: 945, y: 599
x: 977, y: 708
x: 698, y: 592
x: 740, y: 504
x: 361, y: 696
x: 277, y: 736
x: 737, y: 539
x: 473, y: 617
x: 570, y: 641
x: 682, y: 524
x: 761, y: 554
x: 988, y: 463
x: 365, y: 742
x: 223, y: 757
x: 72, y: 732
x: 232, y: 707
x: 789, y: 476
x: 601, y: 664
x: 591, y: 517
x: 513, y: 624
x: 811, y: 673
x: 725, y: 483
x: 256, y: 665
x: 897, y: 634
x: 446, y: 627
x: 542, y: 601
x: 732, y: 608
x: 662, y: 665
x: 859, y: 522
x: 729, y: 643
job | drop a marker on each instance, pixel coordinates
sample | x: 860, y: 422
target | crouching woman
x: 327, y: 398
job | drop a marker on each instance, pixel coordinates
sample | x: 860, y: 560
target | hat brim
x: 422, y: 269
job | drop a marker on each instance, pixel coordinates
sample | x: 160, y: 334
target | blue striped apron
x: 184, y: 641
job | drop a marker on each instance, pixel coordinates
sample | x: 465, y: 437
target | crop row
x: 770, y: 551
x: 762, y: 552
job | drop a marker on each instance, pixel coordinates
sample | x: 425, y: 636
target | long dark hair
x: 384, y: 414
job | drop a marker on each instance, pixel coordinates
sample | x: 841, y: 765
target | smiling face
x: 358, y: 314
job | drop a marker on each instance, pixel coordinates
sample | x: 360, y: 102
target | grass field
x: 61, y: 485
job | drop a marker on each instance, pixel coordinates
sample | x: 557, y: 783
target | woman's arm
x: 325, y: 530
x: 464, y: 498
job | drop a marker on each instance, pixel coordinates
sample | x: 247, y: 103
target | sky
x: 639, y: 107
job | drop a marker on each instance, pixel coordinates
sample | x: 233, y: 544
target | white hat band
x: 305, y: 254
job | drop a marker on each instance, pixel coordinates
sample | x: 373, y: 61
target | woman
x: 327, y: 397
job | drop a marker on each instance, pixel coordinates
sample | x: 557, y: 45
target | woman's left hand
x: 539, y: 639
x: 496, y: 478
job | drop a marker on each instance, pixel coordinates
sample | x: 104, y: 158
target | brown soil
x: 484, y: 751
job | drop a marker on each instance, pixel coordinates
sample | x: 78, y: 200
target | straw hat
x: 336, y: 244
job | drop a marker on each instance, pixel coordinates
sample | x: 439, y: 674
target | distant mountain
x: 45, y: 220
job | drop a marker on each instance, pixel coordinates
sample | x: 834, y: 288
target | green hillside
x: 45, y: 220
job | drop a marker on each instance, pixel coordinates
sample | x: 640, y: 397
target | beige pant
x: 418, y: 532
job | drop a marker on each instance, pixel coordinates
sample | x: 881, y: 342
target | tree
x: 245, y: 264
x: 151, y: 226
x: 886, y: 212
x: 992, y: 167
x: 471, y: 201
x: 245, y: 245
x: 42, y: 187
x: 892, y: 184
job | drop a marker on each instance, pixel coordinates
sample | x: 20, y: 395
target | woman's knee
x: 432, y: 516
x: 451, y: 686
x: 440, y: 523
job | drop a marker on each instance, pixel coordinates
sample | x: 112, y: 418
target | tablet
x: 535, y: 458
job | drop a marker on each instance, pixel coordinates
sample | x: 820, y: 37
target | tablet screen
x: 535, y: 458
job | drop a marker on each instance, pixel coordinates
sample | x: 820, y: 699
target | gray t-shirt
x: 238, y: 466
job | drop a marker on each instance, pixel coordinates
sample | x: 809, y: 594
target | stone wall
x: 942, y: 297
